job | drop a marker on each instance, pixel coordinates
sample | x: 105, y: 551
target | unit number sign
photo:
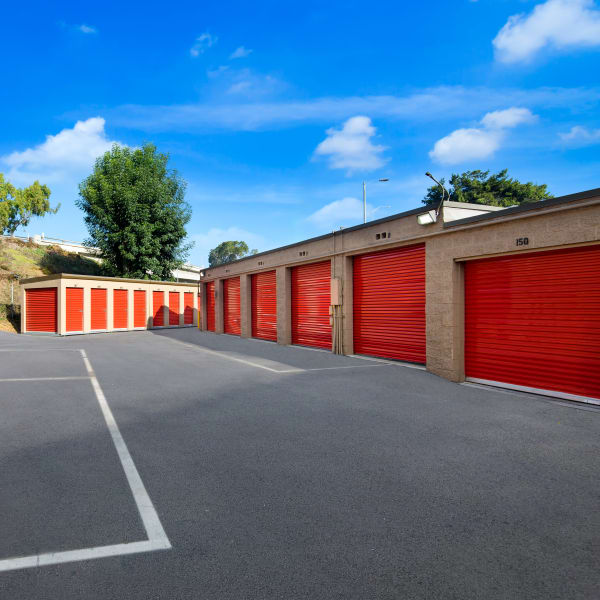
x: 522, y: 241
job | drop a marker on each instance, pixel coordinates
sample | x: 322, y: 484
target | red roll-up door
x: 74, y: 309
x: 98, y: 309
x: 389, y: 303
x: 158, y: 309
x: 139, y: 308
x: 173, y: 308
x: 120, y: 309
x: 311, y: 298
x: 210, y: 306
x: 264, y: 306
x: 231, y: 306
x: 199, y: 311
x: 188, y: 308
x: 533, y: 321
x: 41, y: 310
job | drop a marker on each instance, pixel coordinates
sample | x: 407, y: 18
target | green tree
x: 135, y: 213
x: 479, y: 187
x: 18, y: 205
x: 226, y: 252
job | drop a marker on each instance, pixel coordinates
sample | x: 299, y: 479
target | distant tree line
x: 479, y: 187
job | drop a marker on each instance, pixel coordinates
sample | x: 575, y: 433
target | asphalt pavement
x: 284, y: 472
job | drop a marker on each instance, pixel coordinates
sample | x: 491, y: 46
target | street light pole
x: 382, y: 180
x: 439, y: 206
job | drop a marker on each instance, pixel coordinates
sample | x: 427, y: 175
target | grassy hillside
x: 27, y: 259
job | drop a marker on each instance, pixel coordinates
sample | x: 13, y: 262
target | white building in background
x: 187, y: 272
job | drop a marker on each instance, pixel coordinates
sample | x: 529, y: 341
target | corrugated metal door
x: 199, y: 317
x: 264, y: 306
x: 98, y: 309
x: 173, y: 308
x: 210, y: 306
x: 389, y: 303
x: 158, y: 309
x: 231, y: 306
x: 311, y: 297
x: 120, y: 309
x: 534, y: 320
x: 188, y: 308
x: 41, y: 310
x: 74, y: 309
x: 139, y: 308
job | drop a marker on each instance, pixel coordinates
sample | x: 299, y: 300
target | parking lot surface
x: 175, y: 464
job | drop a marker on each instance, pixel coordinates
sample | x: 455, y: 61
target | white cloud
x: 554, y: 24
x: 203, y: 42
x: 428, y: 105
x: 351, y: 147
x: 240, y: 52
x: 69, y: 152
x: 338, y: 212
x: 466, y: 144
x: 87, y: 29
x: 510, y: 117
x: 479, y: 142
x: 581, y: 136
x: 205, y: 242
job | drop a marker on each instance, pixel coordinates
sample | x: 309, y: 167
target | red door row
x: 42, y: 309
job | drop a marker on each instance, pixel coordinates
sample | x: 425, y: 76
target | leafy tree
x: 226, y: 252
x: 479, y: 187
x: 135, y: 213
x: 18, y: 205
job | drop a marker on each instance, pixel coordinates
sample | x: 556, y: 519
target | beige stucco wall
x: 446, y: 249
x: 445, y: 256
x: 61, y: 282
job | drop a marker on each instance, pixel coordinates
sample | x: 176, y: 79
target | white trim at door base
x: 524, y: 388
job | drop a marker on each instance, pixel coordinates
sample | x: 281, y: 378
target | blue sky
x: 275, y: 112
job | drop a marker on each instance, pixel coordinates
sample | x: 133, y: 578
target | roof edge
x: 408, y: 213
x: 59, y: 276
x: 529, y: 206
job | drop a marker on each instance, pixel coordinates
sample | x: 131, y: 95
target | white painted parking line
x: 397, y: 363
x: 157, y: 538
x: 152, y: 524
x: 56, y: 558
x: 233, y: 358
x: 348, y: 367
x: 43, y: 378
x: 260, y: 366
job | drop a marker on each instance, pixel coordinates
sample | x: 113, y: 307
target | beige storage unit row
x: 67, y: 304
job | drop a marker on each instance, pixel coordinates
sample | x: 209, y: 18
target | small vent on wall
x: 303, y: 253
x: 383, y: 236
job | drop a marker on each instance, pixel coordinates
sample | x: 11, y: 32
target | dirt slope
x: 27, y: 259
